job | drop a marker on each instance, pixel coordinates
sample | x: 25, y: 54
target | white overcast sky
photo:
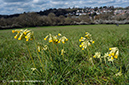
x: 8, y: 7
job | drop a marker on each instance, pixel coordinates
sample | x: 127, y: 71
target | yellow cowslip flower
x: 110, y: 48
x: 26, y: 31
x: 109, y: 54
x: 16, y: 35
x: 94, y: 56
x: 82, y: 48
x: 81, y: 37
x: 85, y: 32
x: 93, y: 42
x: 58, y: 41
x: 62, y: 52
x: 86, y: 35
x: 66, y: 39
x: 59, y: 34
x: 50, y: 41
x: 50, y: 38
x: 63, y: 42
x: 28, y: 35
x: 116, y: 56
x: 45, y: 38
x: 80, y: 40
x: 112, y: 54
x: 112, y: 58
x: 13, y: 31
x: 27, y: 39
x: 19, y: 38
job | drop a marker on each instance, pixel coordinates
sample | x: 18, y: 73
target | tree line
x: 34, y: 20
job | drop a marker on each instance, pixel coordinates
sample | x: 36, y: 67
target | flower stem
x: 38, y: 54
x: 30, y: 56
x: 57, y: 50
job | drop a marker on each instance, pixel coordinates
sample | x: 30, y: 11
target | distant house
x: 120, y: 12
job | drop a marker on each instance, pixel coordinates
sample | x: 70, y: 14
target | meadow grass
x: 72, y: 68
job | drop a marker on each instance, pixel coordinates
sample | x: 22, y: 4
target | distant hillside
x: 57, y: 12
x: 66, y: 16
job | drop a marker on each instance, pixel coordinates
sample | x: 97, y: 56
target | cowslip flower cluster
x: 86, y: 41
x: 118, y: 74
x: 56, y: 39
x: 113, y: 54
x: 41, y: 47
x: 27, y: 34
x: 110, y: 56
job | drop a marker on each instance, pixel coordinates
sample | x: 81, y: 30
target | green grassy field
x: 74, y: 67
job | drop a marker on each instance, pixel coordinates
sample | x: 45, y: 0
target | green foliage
x: 72, y: 68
